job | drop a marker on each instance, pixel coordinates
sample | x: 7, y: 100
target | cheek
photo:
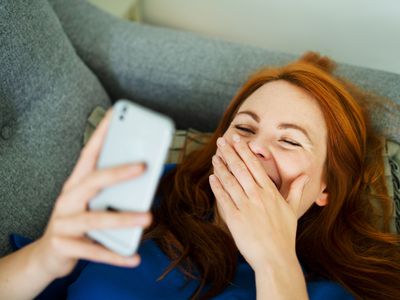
x: 291, y: 166
x: 310, y: 194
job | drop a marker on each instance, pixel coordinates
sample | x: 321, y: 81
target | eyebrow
x: 281, y: 126
x: 251, y: 114
x: 296, y: 127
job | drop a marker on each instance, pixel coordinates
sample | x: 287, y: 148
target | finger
x: 77, y: 225
x: 224, y: 201
x: 296, y: 192
x: 252, y: 162
x: 85, y: 249
x: 77, y: 198
x: 220, y: 214
x: 238, y: 168
x: 229, y: 183
x: 90, y: 153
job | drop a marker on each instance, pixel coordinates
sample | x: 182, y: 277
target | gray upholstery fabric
x: 189, y: 77
x: 46, y: 95
x: 47, y: 92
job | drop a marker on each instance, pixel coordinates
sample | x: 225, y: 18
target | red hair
x: 341, y: 242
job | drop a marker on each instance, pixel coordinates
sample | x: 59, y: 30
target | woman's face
x: 285, y: 128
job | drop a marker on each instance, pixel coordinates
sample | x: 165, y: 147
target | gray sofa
x: 60, y: 59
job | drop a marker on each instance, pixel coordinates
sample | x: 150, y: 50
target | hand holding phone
x: 136, y: 134
x: 57, y: 251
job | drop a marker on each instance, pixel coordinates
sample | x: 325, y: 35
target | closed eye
x: 283, y: 140
x: 291, y: 143
x: 244, y: 129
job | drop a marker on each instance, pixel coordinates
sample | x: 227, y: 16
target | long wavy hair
x: 347, y: 241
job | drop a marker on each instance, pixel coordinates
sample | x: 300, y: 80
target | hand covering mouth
x: 276, y: 182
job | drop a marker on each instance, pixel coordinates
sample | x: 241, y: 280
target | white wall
x: 125, y: 9
x: 359, y: 32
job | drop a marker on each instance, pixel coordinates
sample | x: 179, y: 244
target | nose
x: 260, y: 150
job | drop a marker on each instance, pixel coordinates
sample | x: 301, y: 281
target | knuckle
x: 56, y: 226
x: 254, y: 160
x: 120, y: 170
x: 107, y: 256
x: 233, y: 216
x: 239, y: 168
x: 225, y: 197
x: 90, y: 221
x: 230, y: 181
x: 94, y: 181
x: 114, y: 219
x: 120, y: 260
x: 62, y: 201
x: 56, y: 243
x: 96, y: 254
x: 105, y: 176
x: 99, y: 253
x: 254, y: 193
x: 128, y: 220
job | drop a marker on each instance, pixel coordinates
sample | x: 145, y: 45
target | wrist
x: 282, y: 262
x: 273, y: 279
x: 21, y: 274
x: 36, y: 264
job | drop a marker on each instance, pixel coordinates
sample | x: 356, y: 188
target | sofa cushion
x: 46, y: 95
x: 392, y: 151
x: 190, y: 77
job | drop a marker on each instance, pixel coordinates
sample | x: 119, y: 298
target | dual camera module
x: 121, y: 116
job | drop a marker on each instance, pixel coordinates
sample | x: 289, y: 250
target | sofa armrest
x: 187, y: 76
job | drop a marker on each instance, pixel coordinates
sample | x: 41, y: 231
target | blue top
x: 91, y: 280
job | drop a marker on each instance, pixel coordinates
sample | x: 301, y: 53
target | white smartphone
x: 135, y: 134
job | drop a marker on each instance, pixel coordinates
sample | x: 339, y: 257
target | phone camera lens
x: 121, y: 117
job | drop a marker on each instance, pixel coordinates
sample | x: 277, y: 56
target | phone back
x: 135, y: 134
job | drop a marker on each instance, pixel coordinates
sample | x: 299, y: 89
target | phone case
x: 135, y: 134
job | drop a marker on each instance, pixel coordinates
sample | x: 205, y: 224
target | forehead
x: 282, y: 102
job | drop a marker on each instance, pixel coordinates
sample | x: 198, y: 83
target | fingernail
x: 221, y: 141
x: 131, y: 261
x: 236, y: 138
x: 144, y: 219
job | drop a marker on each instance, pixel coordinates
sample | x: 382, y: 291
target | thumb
x: 296, y: 192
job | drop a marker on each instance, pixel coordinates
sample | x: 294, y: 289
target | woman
x: 275, y: 208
